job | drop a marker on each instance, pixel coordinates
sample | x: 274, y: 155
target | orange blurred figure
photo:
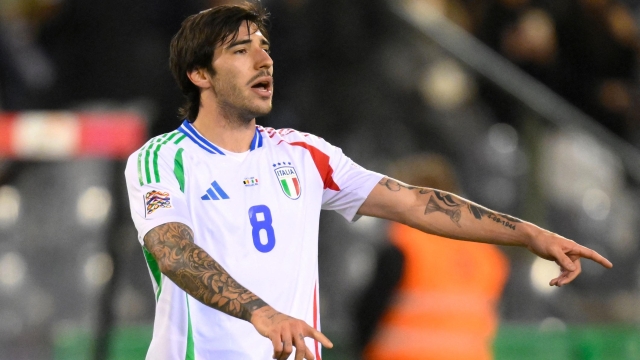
x: 445, y: 306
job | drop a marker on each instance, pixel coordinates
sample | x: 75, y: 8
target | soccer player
x: 228, y: 212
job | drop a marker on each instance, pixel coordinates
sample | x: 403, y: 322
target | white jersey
x: 256, y: 213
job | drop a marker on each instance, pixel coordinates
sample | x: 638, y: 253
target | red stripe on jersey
x: 322, y: 164
x: 315, y: 318
x: 297, y: 186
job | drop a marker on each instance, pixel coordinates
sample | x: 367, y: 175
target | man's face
x: 243, y: 83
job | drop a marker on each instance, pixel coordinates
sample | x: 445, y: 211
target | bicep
x: 390, y: 199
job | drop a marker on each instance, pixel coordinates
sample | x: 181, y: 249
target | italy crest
x: 289, y: 181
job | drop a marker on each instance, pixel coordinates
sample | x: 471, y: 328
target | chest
x: 286, y: 181
x: 267, y: 203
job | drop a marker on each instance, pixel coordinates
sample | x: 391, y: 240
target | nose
x: 263, y: 60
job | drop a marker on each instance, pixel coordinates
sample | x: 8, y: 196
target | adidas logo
x: 215, y: 192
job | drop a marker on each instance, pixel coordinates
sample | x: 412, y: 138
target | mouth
x: 263, y: 86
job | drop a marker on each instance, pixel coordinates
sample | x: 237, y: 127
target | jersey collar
x: 193, y: 134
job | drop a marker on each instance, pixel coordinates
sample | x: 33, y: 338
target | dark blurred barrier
x: 40, y: 135
x: 60, y: 250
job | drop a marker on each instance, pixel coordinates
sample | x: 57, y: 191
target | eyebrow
x: 246, y: 41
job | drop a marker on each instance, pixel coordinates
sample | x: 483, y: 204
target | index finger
x: 587, y: 253
x: 317, y: 335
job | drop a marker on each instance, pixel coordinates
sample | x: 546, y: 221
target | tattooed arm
x: 445, y: 214
x: 197, y: 273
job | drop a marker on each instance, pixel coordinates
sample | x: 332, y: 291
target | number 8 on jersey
x: 260, y: 218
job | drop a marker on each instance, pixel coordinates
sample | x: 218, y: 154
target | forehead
x: 246, y: 29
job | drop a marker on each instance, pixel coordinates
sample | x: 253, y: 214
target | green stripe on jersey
x: 178, y: 168
x: 140, y: 160
x: 178, y: 140
x: 149, y: 166
x: 148, y: 169
x: 190, y: 353
x: 140, y: 167
x: 143, y: 158
x: 146, y: 164
x: 156, y: 171
x: 155, y: 270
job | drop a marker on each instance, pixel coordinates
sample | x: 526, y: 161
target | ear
x: 199, y: 77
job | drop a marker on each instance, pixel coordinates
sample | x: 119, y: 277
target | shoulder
x: 290, y: 136
x: 160, y: 145
x: 155, y: 154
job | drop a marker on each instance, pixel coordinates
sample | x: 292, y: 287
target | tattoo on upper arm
x: 191, y: 268
x: 451, y: 205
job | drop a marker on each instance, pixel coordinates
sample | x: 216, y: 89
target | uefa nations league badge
x: 288, y: 179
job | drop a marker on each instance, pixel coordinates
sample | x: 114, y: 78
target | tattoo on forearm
x: 394, y: 185
x: 450, y: 205
x: 433, y: 206
x: 191, y: 268
x: 478, y: 212
x: 508, y: 221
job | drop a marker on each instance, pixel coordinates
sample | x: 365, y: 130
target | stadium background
x: 379, y: 79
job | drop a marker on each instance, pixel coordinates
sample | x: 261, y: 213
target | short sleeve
x: 156, y: 193
x: 350, y: 185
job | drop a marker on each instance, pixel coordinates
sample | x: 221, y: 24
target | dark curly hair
x: 194, y: 44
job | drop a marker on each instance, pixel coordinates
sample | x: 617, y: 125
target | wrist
x: 529, y: 233
x: 261, y: 313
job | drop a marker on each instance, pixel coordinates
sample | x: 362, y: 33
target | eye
x: 240, y: 51
x: 267, y: 50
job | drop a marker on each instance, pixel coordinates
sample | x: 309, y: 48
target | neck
x: 229, y: 132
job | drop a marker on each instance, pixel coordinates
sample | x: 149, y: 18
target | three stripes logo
x: 215, y: 192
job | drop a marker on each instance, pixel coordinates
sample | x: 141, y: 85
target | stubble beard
x: 236, y: 106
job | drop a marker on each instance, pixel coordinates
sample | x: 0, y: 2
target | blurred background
x: 529, y: 107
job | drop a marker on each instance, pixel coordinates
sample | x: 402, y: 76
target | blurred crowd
x: 353, y: 73
x: 67, y: 53
x: 585, y: 50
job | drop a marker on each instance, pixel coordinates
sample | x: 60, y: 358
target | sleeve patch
x: 155, y: 200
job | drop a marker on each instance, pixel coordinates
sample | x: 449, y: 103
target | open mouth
x: 263, y: 86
